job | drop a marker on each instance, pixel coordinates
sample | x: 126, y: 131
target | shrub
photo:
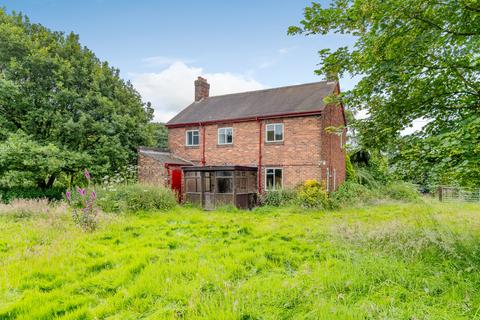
x: 126, y: 175
x: 364, y: 177
x: 313, y: 195
x: 349, y: 170
x: 352, y: 193
x: 9, y: 194
x: 400, y: 190
x: 136, y: 197
x: 278, y: 198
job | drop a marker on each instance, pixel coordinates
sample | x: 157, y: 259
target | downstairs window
x: 274, y: 178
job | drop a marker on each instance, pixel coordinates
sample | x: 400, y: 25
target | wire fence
x: 449, y: 193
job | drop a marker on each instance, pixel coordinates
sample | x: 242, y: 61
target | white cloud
x: 162, y: 61
x: 171, y: 89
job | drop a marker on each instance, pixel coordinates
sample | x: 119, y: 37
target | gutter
x: 245, y: 119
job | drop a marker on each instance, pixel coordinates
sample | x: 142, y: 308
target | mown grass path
x: 390, y: 261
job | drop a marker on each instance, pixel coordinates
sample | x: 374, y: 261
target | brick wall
x: 243, y: 151
x: 332, y: 149
x: 151, y: 171
x: 301, y: 154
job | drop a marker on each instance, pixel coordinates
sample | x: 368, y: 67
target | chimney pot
x: 202, y: 88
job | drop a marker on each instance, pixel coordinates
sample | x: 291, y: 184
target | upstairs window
x: 192, y: 138
x: 274, y: 178
x: 274, y: 132
x: 225, y: 135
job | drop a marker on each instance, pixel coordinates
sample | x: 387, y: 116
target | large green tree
x: 159, y: 134
x: 61, y: 108
x: 417, y: 59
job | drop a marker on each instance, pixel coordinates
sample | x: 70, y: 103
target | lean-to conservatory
x: 214, y: 186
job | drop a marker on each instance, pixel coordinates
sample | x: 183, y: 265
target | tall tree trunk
x: 41, y: 183
x: 50, y: 181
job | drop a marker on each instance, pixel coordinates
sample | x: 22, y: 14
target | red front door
x: 176, y: 182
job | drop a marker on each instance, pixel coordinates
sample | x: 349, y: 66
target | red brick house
x: 282, y: 132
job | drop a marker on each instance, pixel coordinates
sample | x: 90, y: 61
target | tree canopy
x: 61, y: 108
x: 417, y: 59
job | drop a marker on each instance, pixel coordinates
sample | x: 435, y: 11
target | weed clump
x: 404, y: 191
x: 25, y: 208
x: 278, y: 198
x: 352, y: 193
x: 136, y: 197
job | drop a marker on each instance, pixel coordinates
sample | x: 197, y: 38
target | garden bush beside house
x: 278, y: 198
x: 400, y: 190
x: 312, y: 195
x: 136, y: 197
x: 352, y: 193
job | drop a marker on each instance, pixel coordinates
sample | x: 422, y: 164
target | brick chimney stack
x: 202, y: 89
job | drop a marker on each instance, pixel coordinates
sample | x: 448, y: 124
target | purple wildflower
x: 93, y: 196
x: 81, y: 191
x: 87, y: 174
x: 68, y: 194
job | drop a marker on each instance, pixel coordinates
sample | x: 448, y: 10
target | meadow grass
x: 389, y: 261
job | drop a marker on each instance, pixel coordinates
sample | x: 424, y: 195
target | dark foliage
x: 8, y: 194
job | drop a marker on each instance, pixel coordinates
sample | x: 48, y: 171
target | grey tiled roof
x: 285, y: 100
x: 162, y: 156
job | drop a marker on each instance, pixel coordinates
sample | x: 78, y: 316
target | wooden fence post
x: 440, y: 193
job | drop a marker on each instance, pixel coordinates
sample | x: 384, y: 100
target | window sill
x: 192, y: 147
x: 226, y: 145
x: 274, y: 142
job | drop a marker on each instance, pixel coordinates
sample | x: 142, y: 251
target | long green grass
x: 389, y: 261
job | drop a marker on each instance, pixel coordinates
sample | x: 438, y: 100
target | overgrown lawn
x: 390, y: 261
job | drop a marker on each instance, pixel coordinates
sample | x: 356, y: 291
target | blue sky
x: 161, y: 46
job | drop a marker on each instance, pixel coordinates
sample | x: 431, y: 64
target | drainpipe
x: 167, y: 180
x: 203, y: 144
x: 259, y: 155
